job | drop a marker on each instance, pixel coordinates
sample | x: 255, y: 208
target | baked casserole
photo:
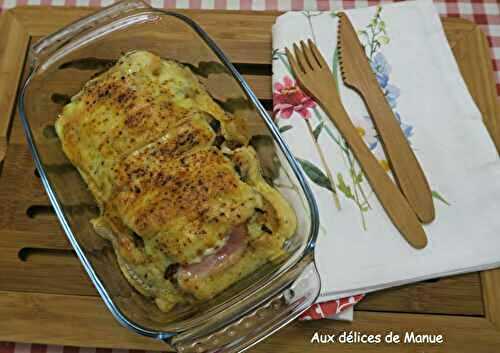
x: 179, y: 188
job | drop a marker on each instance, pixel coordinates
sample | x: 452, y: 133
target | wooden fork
x: 315, y: 78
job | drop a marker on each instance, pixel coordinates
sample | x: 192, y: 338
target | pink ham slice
x: 223, y: 258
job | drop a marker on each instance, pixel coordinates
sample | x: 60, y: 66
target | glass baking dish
x: 249, y: 310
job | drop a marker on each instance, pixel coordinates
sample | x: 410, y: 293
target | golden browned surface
x: 134, y: 103
x: 188, y: 204
x: 140, y: 135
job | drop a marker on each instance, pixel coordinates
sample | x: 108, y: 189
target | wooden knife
x: 358, y: 75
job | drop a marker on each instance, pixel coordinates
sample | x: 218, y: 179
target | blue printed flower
x: 391, y: 93
x: 382, y: 79
x: 381, y: 68
x: 407, y: 129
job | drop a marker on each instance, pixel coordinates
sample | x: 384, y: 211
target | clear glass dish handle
x: 253, y: 327
x: 48, y: 45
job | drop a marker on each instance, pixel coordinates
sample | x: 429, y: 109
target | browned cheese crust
x: 145, y: 136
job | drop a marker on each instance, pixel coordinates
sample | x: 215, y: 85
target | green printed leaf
x: 383, y: 40
x: 438, y: 196
x: 284, y: 128
x: 284, y: 61
x: 359, y: 178
x: 317, y: 130
x: 275, y: 54
x: 343, y: 187
x: 315, y: 174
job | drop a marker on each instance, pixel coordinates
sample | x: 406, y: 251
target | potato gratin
x: 181, y: 194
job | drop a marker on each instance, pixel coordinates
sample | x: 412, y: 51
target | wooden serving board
x: 45, y: 296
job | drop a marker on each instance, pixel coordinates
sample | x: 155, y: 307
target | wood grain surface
x: 47, y: 297
x: 13, y: 45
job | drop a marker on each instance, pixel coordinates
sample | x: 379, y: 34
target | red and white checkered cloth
x: 9, y: 347
x: 485, y: 13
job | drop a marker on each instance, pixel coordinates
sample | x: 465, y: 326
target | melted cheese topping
x: 143, y: 138
x: 134, y: 103
x: 187, y: 204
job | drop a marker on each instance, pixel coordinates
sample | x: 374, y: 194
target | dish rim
x: 58, y: 207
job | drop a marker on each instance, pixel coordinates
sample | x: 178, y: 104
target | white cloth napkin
x: 417, y: 70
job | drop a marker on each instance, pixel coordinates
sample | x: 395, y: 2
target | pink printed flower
x: 289, y: 98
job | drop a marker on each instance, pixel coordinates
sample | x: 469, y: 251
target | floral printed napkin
x: 359, y: 250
